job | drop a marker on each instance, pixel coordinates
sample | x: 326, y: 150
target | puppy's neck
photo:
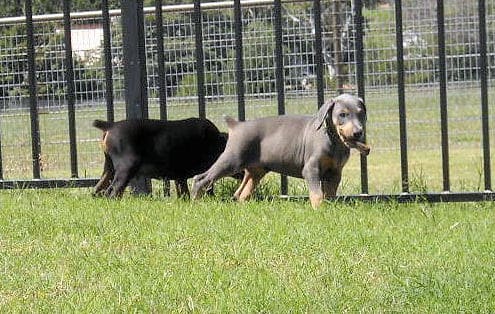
x: 334, y: 135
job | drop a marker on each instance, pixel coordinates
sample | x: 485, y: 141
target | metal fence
x: 401, y: 56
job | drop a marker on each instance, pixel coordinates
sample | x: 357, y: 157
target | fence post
x: 71, y: 97
x: 239, y: 61
x: 1, y: 166
x: 443, y: 95
x: 358, y: 21
x: 484, y: 94
x: 200, y: 70
x: 337, y: 48
x: 33, y: 104
x: 161, y: 74
x: 318, y: 46
x: 107, y: 51
x: 136, y: 95
x: 279, y: 75
x: 401, y: 95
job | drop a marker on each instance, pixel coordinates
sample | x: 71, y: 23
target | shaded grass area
x: 61, y: 250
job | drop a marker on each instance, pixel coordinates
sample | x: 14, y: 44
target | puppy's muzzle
x: 363, y: 148
x: 357, y: 141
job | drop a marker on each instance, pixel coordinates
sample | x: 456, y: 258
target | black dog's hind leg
x: 125, y: 170
x: 106, y: 177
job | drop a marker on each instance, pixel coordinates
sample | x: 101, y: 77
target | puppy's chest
x: 333, y: 161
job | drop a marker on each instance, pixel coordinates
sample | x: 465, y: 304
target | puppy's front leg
x: 311, y: 174
x: 330, y: 182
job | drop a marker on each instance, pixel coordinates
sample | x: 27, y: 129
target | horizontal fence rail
x: 147, y: 10
x: 426, y: 84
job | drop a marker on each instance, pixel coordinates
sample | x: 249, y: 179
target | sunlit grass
x: 62, y: 250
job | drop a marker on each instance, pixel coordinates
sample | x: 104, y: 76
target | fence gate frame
x: 132, y: 13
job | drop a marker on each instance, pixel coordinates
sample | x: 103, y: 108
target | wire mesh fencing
x: 420, y: 44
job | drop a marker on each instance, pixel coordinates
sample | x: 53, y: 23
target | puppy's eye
x: 343, y: 115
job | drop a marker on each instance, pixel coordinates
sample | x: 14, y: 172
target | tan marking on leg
x: 245, y: 179
x: 255, y: 176
x: 315, y: 198
x: 104, y: 144
x: 248, y: 190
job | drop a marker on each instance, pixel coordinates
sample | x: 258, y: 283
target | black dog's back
x: 183, y: 148
x: 176, y: 150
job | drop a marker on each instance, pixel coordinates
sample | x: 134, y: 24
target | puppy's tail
x: 102, y: 125
x: 231, y: 122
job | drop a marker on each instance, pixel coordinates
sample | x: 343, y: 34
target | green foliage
x: 374, y: 3
x: 259, y: 60
x: 50, y: 66
x: 188, y: 86
x: 421, y: 58
x: 16, y: 7
x: 259, y: 50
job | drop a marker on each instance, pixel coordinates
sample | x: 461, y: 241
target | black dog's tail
x: 102, y: 125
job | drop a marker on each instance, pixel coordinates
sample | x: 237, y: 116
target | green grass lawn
x: 64, y: 251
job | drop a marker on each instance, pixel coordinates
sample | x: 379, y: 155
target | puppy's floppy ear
x: 323, y: 113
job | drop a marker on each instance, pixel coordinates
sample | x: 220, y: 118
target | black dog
x: 176, y: 150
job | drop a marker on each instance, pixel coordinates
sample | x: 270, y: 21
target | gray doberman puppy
x: 315, y: 148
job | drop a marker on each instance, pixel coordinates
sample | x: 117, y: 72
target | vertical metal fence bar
x: 107, y: 51
x: 443, y: 95
x: 239, y: 61
x: 1, y: 157
x: 162, y: 82
x: 71, y: 97
x: 1, y: 165
x: 484, y: 94
x: 318, y: 44
x: 142, y: 58
x: 402, y: 97
x: 200, y: 69
x: 358, y: 21
x: 279, y: 74
x: 279, y: 57
x: 336, y: 46
x: 35, y: 126
x: 136, y: 93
